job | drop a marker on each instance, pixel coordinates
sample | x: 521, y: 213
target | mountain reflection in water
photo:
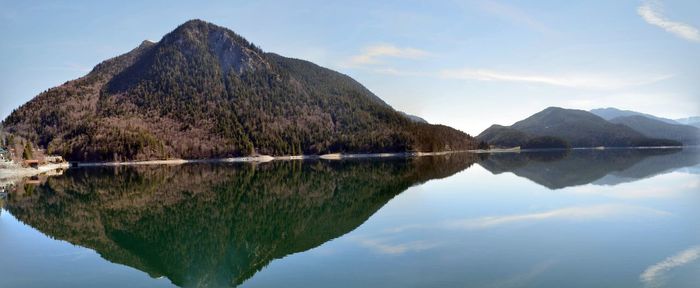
x: 217, y: 225
x: 213, y: 225
x: 560, y: 169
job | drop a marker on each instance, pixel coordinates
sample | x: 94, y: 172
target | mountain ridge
x: 692, y: 121
x: 688, y: 135
x: 203, y: 91
x: 559, y: 126
x: 610, y: 113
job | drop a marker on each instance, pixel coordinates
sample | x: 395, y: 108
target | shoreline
x: 21, y: 172
x: 17, y: 173
x: 340, y: 156
x: 268, y: 158
x: 518, y: 150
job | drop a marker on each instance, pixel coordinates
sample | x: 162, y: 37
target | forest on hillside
x: 205, y: 92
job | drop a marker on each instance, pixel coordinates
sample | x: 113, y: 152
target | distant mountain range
x: 612, y: 113
x: 688, y: 135
x: 692, y: 121
x: 205, y: 92
x: 559, y: 128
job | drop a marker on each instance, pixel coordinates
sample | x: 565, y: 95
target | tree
x: 546, y: 142
x: 28, y: 153
x: 3, y: 137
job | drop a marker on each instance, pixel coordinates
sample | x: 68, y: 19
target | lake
x: 582, y: 218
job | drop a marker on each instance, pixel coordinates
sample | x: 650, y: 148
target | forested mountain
x: 203, y: 91
x: 612, y: 113
x: 688, y: 135
x: 503, y: 136
x: 652, y: 126
x: 556, y: 127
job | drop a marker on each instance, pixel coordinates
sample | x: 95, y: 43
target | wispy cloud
x: 397, y: 72
x: 602, y: 211
x: 597, y: 82
x: 383, y: 246
x: 373, y: 59
x: 574, y: 213
x: 513, y: 14
x: 653, y: 276
x: 651, y: 12
x: 374, y: 54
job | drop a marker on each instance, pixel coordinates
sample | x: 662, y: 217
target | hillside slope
x: 612, y: 113
x: 203, y: 92
x: 503, y: 136
x: 688, y: 135
x: 577, y: 128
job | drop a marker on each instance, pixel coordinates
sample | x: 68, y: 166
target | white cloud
x: 603, y: 211
x: 373, y: 54
x: 650, y: 12
x: 575, y: 213
x: 596, y: 82
x: 397, y: 72
x: 382, y: 246
x: 652, y: 276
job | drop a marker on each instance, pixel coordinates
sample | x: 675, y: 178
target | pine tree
x: 28, y: 153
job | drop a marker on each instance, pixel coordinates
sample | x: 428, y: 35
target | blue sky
x: 467, y: 64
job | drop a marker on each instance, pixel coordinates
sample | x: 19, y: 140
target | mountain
x: 692, y: 121
x: 503, y: 136
x: 652, y: 126
x: 575, y: 128
x: 203, y: 91
x: 688, y: 135
x: 612, y: 113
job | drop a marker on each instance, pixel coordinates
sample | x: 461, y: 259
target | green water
x: 614, y: 218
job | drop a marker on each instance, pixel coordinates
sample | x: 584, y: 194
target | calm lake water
x: 613, y: 218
